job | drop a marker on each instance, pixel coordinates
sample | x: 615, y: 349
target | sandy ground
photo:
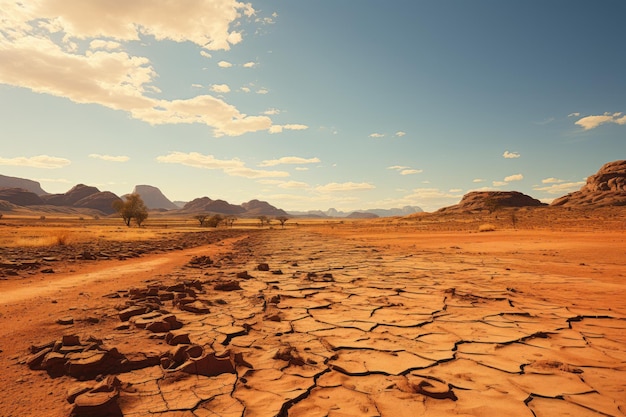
x: 343, y: 323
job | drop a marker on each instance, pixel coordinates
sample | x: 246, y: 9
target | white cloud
x: 411, y: 171
x: 476, y: 180
x: 294, y: 160
x: 220, y: 88
x: 249, y: 65
x: 232, y: 167
x: 405, y: 170
x: 39, y: 43
x: 576, y: 114
x: 345, y: 186
x: 271, y: 112
x: 293, y: 185
x: 499, y: 183
x: 560, y: 188
x: 206, y: 54
x: 455, y: 190
x: 510, y: 155
x: 39, y: 161
x: 109, y: 158
x: 515, y: 177
x: 552, y: 180
x: 280, y: 128
x: 377, y: 135
x: 301, y: 168
x: 262, y: 91
x: 591, y: 122
x: 197, y: 85
x: 400, y: 134
x: 224, y: 64
x: 245, y: 89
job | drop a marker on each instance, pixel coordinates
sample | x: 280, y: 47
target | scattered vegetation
x: 264, y: 220
x: 486, y: 227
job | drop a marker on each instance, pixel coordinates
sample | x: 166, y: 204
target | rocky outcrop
x: 606, y: 188
x: 28, y: 185
x: 262, y: 208
x: 492, y: 200
x: 154, y: 198
x: 20, y: 197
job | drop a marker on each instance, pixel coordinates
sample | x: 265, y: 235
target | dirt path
x: 30, y: 307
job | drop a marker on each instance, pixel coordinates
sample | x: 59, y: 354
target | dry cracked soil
x: 296, y: 322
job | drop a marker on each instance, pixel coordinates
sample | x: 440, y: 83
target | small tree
x: 263, y: 220
x: 201, y: 218
x: 214, y: 220
x: 282, y: 220
x: 132, y: 208
x: 230, y: 220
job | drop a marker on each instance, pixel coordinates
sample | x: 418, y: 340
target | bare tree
x: 282, y: 220
x: 230, y: 220
x: 201, y: 218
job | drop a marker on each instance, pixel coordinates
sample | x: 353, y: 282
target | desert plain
x: 513, y: 313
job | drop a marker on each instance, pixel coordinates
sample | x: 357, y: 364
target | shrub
x: 486, y: 227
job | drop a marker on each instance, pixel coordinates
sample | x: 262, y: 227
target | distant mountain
x: 250, y: 209
x: 606, y: 188
x: 28, y: 185
x: 20, y: 197
x: 331, y: 212
x: 83, y: 196
x: 154, y: 198
x: 262, y: 208
x: 360, y: 215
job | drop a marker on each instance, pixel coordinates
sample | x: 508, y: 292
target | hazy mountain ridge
x: 331, y: 212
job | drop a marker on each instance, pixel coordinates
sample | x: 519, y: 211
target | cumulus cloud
x: 262, y: 91
x: 233, y: 167
x: 400, y: 134
x: 271, y: 112
x: 293, y: 185
x: 510, y: 155
x: 39, y: 161
x: 206, y: 54
x: 560, y: 188
x: 109, y: 158
x: 405, y: 170
x: 280, y: 128
x: 293, y: 160
x: 220, y: 88
x: 249, y: 65
x: 476, y: 180
x: 551, y: 180
x: 515, y: 177
x: 499, y: 183
x: 377, y: 135
x: 224, y: 64
x: 591, y: 122
x: 39, y: 50
x: 345, y: 186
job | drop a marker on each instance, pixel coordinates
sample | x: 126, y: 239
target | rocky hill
x: 491, y: 200
x: 20, y: 197
x: 206, y: 205
x: 83, y: 196
x: 261, y: 208
x: 28, y: 185
x: 606, y: 188
x: 154, y: 198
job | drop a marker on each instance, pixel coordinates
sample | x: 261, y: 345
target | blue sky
x: 313, y: 104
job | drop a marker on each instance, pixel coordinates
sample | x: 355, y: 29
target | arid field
x: 510, y: 313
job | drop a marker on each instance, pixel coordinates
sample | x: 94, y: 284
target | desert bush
x: 213, y: 221
x: 486, y: 227
x: 42, y: 217
x: 61, y: 238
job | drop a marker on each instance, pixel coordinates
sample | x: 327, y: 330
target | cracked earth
x: 296, y: 323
